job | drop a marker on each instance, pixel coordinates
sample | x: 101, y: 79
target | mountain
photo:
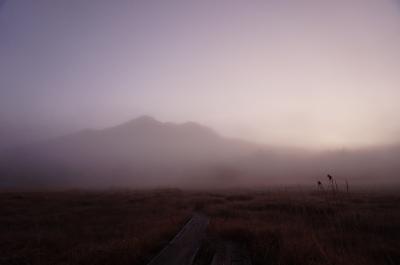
x: 141, y: 152
x: 145, y: 153
x: 147, y: 140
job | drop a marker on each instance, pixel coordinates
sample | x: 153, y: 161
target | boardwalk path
x: 183, y: 248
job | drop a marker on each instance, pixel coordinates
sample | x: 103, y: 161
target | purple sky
x: 320, y: 74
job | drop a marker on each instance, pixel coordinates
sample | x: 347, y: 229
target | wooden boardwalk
x: 183, y: 248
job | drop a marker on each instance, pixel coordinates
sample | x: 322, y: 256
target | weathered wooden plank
x: 183, y: 248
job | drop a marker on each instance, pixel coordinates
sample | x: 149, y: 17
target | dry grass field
x: 310, y: 228
x: 130, y: 227
x: 87, y: 227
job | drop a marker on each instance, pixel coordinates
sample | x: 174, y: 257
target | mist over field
x: 199, y: 132
x: 234, y: 94
x: 146, y: 153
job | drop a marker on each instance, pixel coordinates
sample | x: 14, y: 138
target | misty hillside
x: 145, y: 152
x: 142, y: 151
x: 147, y: 141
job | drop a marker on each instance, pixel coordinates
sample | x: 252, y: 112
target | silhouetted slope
x: 141, y: 152
x: 146, y: 153
x: 150, y: 140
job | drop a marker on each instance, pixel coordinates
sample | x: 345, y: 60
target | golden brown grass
x: 129, y: 227
x: 87, y: 227
x: 311, y: 228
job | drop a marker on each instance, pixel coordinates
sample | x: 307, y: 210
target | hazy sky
x: 320, y: 74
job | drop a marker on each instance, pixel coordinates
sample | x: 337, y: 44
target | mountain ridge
x: 145, y: 152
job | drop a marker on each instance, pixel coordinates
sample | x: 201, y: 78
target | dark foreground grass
x: 87, y: 227
x: 311, y: 228
x: 129, y: 227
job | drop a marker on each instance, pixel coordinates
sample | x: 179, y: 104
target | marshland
x: 257, y: 132
x: 277, y: 226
